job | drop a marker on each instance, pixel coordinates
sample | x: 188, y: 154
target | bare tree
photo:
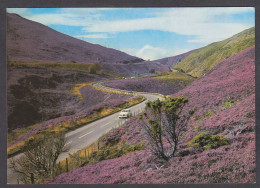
x: 164, y: 122
x: 39, y: 158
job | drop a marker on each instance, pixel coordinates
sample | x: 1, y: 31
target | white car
x: 126, y: 113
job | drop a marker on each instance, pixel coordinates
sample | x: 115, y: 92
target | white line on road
x: 105, y: 125
x: 86, y: 134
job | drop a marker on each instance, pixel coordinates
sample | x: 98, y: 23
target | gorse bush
x: 228, y: 103
x: 207, y: 141
x: 152, y: 71
x: 206, y: 115
x: 164, y: 123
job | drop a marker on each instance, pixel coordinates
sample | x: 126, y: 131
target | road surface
x: 89, y: 133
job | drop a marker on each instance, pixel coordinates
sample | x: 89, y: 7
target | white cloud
x: 200, y: 23
x: 100, y: 36
x: 20, y: 11
x: 60, y: 19
x: 206, y: 25
x: 150, y: 52
x: 154, y: 53
x: 65, y: 16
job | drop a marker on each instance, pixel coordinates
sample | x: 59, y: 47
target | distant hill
x: 202, y: 60
x: 173, y: 60
x: 31, y: 41
x: 160, y: 65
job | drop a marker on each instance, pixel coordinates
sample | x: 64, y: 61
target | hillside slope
x: 202, y: 60
x: 31, y: 41
x: 165, y: 83
x: 173, y: 60
x: 160, y: 65
x: 227, y: 92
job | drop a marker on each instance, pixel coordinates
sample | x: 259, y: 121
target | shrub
x: 92, y: 70
x: 205, y: 115
x: 207, y: 141
x: 40, y: 157
x: 152, y: 71
x: 228, y: 103
x: 165, y: 120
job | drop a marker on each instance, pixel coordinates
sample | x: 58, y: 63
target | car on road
x: 126, y: 113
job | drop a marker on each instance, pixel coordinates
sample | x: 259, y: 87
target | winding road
x: 86, y: 135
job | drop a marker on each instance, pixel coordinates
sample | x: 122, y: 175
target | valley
x: 61, y: 85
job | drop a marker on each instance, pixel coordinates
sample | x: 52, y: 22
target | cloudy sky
x: 149, y: 33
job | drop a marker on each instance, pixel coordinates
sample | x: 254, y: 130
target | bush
x: 152, y: 71
x: 207, y: 141
x: 92, y: 70
x: 165, y: 120
x: 228, y: 103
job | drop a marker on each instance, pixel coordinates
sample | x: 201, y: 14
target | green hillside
x: 202, y: 60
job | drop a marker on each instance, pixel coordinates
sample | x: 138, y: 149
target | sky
x: 148, y: 33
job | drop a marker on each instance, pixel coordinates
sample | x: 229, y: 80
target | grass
x: 228, y: 103
x: 202, y: 60
x: 206, y: 115
x: 85, y: 67
x: 178, y: 79
x: 76, y: 90
x: 66, y: 126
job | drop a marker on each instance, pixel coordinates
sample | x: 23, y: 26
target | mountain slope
x: 160, y: 65
x: 231, y: 79
x: 31, y: 41
x: 204, y: 59
x: 173, y: 60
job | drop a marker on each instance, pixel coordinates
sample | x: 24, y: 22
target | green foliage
x: 92, y: 68
x: 152, y: 71
x: 155, y: 106
x: 207, y: 141
x: 165, y: 121
x: 178, y: 79
x: 172, y: 105
x: 196, y: 127
x: 206, y: 115
x: 228, y: 103
x: 250, y: 114
x: 155, y: 129
x: 202, y: 60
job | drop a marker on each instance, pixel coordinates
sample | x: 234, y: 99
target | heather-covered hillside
x: 160, y: 65
x: 165, y: 83
x: 225, y: 101
x: 31, y: 41
x: 39, y: 94
x: 202, y: 60
x: 171, y: 61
